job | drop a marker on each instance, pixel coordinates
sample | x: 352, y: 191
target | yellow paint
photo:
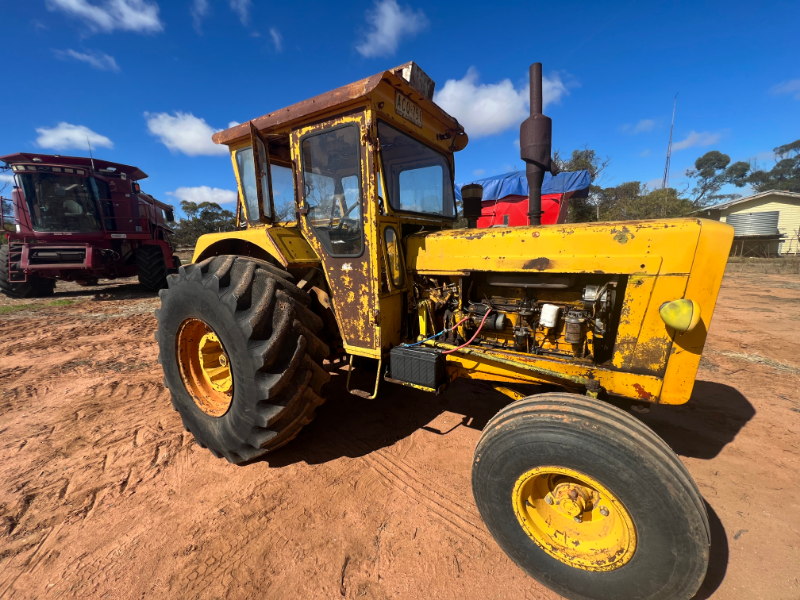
x: 287, y: 245
x: 574, y: 518
x: 513, y: 394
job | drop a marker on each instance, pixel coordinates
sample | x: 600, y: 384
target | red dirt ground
x: 103, y: 495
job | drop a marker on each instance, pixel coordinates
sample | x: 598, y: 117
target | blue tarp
x: 516, y: 184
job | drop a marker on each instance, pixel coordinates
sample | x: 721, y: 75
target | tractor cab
x: 339, y: 182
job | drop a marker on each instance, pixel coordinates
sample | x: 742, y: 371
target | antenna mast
x: 91, y: 158
x: 665, y: 183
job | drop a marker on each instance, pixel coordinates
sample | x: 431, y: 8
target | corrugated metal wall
x: 788, y: 223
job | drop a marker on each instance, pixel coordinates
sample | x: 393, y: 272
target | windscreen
x: 60, y: 202
x: 417, y: 176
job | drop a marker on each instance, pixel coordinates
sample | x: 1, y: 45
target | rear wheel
x: 240, y: 354
x: 151, y: 268
x: 589, y: 501
x: 34, y: 287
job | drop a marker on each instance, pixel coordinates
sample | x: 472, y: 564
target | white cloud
x: 277, y: 39
x: 98, y: 60
x: 184, y: 133
x: 233, y: 124
x: 644, y: 153
x: 389, y: 22
x: 791, y: 87
x: 643, y: 126
x: 654, y: 184
x: 490, y: 108
x: 242, y: 8
x: 128, y: 15
x: 65, y: 135
x: 704, y: 138
x: 479, y: 172
x: 198, y: 11
x: 204, y: 193
x: 5, y: 179
x: 516, y: 143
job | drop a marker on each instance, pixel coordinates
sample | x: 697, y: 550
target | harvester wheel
x: 240, y: 354
x: 589, y: 501
x: 35, y: 287
x: 151, y: 268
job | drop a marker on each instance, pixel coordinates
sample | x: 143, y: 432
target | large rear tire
x: 35, y: 287
x: 258, y: 378
x: 151, y: 268
x: 590, y: 502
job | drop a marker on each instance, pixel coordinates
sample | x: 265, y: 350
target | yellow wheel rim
x: 205, y: 367
x: 574, y: 518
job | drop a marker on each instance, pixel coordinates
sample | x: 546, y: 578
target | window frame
x: 388, y: 183
x: 362, y: 212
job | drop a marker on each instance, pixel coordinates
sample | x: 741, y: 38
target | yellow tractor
x: 578, y: 492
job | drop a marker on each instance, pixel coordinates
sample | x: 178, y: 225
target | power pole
x: 665, y: 183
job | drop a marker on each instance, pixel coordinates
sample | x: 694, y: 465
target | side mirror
x: 170, y: 215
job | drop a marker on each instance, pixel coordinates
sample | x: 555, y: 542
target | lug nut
x: 604, y: 511
x: 549, y: 499
x: 578, y: 519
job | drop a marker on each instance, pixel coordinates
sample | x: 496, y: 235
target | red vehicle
x: 79, y: 219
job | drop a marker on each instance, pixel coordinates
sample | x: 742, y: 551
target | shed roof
x: 729, y: 203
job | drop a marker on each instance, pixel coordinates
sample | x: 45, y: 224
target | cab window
x: 332, y: 189
x: 247, y: 179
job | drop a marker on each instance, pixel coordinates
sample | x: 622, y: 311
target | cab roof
x: 133, y: 173
x: 302, y: 111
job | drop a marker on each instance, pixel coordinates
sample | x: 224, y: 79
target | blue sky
x: 149, y: 80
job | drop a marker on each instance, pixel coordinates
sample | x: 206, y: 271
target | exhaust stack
x: 535, y: 144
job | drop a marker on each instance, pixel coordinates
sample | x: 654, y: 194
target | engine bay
x: 563, y: 316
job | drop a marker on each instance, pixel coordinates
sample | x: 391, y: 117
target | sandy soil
x: 103, y: 495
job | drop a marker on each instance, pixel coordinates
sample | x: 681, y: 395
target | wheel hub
x: 574, y: 518
x: 214, y: 363
x: 205, y: 367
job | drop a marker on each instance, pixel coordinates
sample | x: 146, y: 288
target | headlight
x: 681, y: 315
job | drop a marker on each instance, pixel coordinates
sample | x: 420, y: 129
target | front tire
x: 640, y: 530
x: 258, y: 378
x: 35, y: 287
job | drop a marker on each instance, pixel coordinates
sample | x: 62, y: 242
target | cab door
x: 339, y: 223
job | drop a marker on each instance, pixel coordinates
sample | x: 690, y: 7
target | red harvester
x: 79, y: 219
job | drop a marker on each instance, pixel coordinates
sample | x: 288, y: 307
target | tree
x: 583, y: 209
x: 202, y: 218
x: 712, y: 171
x: 785, y: 175
x: 633, y: 200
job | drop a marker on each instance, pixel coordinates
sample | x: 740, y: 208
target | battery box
x: 420, y: 366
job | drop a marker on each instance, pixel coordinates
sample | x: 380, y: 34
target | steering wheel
x: 344, y: 218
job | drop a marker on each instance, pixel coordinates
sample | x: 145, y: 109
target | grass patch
x: 12, y: 308
x: 60, y: 303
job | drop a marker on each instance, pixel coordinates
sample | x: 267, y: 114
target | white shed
x: 787, y: 204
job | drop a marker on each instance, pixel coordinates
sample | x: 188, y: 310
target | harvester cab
x: 366, y: 262
x: 82, y: 219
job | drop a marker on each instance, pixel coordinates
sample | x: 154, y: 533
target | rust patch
x: 540, y: 264
x: 622, y: 235
x: 642, y: 393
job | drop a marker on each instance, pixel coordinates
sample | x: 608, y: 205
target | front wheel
x: 589, y: 501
